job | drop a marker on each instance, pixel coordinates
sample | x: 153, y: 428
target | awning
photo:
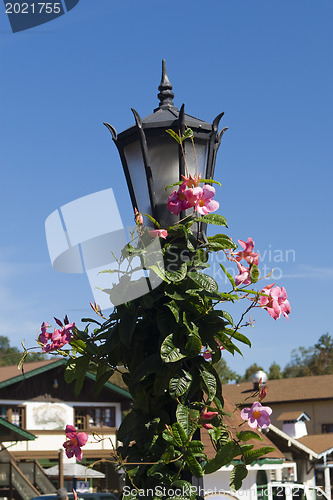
x: 76, y: 471
x: 11, y: 432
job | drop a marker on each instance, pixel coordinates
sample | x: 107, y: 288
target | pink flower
x: 205, y: 416
x: 58, y: 338
x: 207, y: 354
x: 243, y: 278
x: 74, y: 443
x: 192, y: 180
x: 275, y: 301
x: 177, y: 201
x: 248, y: 254
x: 203, y: 199
x: 138, y: 217
x: 263, y: 393
x: 161, y: 233
x: 257, y: 415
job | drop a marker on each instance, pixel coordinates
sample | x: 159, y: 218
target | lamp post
x: 152, y: 159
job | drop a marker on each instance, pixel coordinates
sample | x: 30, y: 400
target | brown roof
x: 290, y: 415
x: 234, y: 424
x: 287, y: 389
x: 318, y: 442
x: 11, y: 371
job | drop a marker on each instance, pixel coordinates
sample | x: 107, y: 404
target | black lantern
x: 152, y: 159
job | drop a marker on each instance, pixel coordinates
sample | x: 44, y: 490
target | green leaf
x: 193, y: 463
x: 210, y: 181
x: 174, y: 308
x: 204, y: 281
x: 187, y: 134
x: 223, y: 457
x: 127, y: 426
x: 187, y: 418
x: 210, y: 384
x: 215, y: 219
x: 241, y: 338
x: 246, y: 435
x: 169, y: 352
x: 174, y: 135
x: 154, y: 221
x: 76, y: 370
x: 177, y: 275
x: 220, y: 242
x: 180, y: 384
x: 127, y: 324
x: 160, y: 272
x: 252, y: 455
x: 254, y: 274
x: 179, y: 434
x: 102, y: 376
x: 228, y: 275
x: 237, y: 475
x: 193, y: 345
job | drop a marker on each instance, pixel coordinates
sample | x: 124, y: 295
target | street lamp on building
x: 152, y: 159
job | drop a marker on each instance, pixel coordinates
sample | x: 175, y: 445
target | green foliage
x: 11, y: 355
x: 316, y: 360
x: 159, y: 339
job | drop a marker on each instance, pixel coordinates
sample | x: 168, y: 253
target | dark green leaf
x: 180, y: 384
x: 223, y: 457
x: 193, y: 345
x: 187, y: 418
x: 216, y: 219
x: 246, y: 435
x: 209, y: 384
x: 154, y: 221
x: 252, y: 455
x: 169, y: 352
x: 174, y: 135
x: 193, y: 464
x: 204, y: 281
x: 237, y: 475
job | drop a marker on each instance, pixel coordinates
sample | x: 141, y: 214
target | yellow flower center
x: 256, y: 414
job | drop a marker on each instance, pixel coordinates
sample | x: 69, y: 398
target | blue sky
x: 267, y: 65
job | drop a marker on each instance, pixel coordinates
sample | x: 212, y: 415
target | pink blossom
x: 203, y: 199
x: 257, y: 415
x: 192, y: 180
x: 207, y: 355
x: 74, y: 443
x: 248, y: 254
x: 263, y: 393
x: 208, y: 426
x: 208, y: 415
x: 161, y: 233
x: 275, y: 301
x: 58, y: 338
x: 177, y: 201
x: 243, y: 278
x: 138, y: 217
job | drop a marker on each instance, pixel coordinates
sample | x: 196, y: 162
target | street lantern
x: 152, y: 159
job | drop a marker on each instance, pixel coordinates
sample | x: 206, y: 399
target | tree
x: 274, y: 372
x: 250, y: 371
x: 225, y: 373
x: 11, y: 355
x: 316, y: 360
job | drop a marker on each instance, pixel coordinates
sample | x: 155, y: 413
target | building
x: 39, y: 402
x: 302, y: 422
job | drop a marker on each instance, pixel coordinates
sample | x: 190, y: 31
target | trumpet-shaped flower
x: 138, y: 217
x: 275, y: 301
x: 243, y: 278
x: 257, y: 415
x: 206, y: 416
x: 177, y: 201
x: 203, y: 199
x: 247, y: 254
x: 58, y: 338
x: 74, y: 443
x: 161, y: 233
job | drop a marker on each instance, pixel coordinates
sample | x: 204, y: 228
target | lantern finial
x: 165, y: 95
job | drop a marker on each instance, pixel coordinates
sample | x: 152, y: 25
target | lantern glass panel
x: 196, y: 157
x: 138, y: 177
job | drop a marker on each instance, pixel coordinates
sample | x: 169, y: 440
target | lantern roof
x: 167, y: 114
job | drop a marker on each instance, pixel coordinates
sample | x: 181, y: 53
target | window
x: 94, y: 417
x: 326, y: 428
x: 14, y: 414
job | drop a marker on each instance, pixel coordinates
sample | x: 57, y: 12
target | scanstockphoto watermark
x: 183, y: 491
x: 271, y: 264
